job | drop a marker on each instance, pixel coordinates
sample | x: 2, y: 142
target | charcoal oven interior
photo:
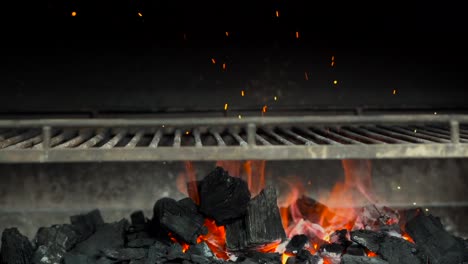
x: 121, y: 109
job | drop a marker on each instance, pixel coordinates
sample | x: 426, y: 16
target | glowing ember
x: 335, y: 82
x: 264, y: 109
x: 407, y: 237
x: 140, y: 14
x: 227, y: 34
x: 73, y: 14
x: 213, y: 60
x: 224, y: 66
x: 215, y: 239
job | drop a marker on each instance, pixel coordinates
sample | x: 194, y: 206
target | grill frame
x: 431, y: 142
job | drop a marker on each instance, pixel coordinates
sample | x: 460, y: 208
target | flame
x: 186, y: 182
x: 285, y: 256
x: 215, y: 239
x: 407, y: 237
x: 184, y: 245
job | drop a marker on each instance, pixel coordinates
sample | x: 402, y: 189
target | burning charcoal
x: 392, y: 249
x: 296, y: 243
x: 156, y: 253
x: 222, y: 197
x: 267, y: 258
x: 141, y: 243
x: 175, y: 252
x: 261, y: 225
x: 106, y: 236
x: 180, y: 221
x: 350, y: 259
x: 340, y: 237
x: 16, y: 248
x: 201, y: 249
x: 436, y: 243
x: 305, y: 257
x: 312, y: 210
x: 333, y: 248
x: 125, y: 253
x: 76, y: 259
x: 87, y: 223
x: 200, y: 259
x: 355, y: 249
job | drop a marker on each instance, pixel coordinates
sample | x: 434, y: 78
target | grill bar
x: 302, y: 137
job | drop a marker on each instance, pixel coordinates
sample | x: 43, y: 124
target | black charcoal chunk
x: 174, y: 252
x: 77, y: 259
x: 16, y: 248
x: 109, y: 235
x: 392, y: 249
x: 137, y: 261
x: 48, y: 254
x: 264, y: 258
x: 333, y: 248
x: 199, y: 259
x: 434, y: 241
x: 305, y: 257
x: 125, y: 253
x: 138, y: 218
x: 222, y: 197
x: 247, y: 261
x: 355, y: 249
x: 184, y: 224
x: 156, y: 253
x: 200, y: 249
x: 87, y: 223
x: 351, y: 259
x: 340, y: 237
x: 296, y: 243
x: 141, y: 243
x: 260, y: 226
x: 190, y: 205
x: 65, y: 236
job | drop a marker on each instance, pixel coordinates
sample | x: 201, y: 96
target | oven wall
x: 34, y: 195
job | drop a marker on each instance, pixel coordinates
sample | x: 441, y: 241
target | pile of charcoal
x: 178, y: 233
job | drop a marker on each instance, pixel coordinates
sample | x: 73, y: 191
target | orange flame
x: 371, y: 254
x: 407, y: 237
x: 215, y: 239
x: 285, y: 256
x: 184, y: 245
x: 187, y: 181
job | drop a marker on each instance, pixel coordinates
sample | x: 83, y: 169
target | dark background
x: 108, y: 58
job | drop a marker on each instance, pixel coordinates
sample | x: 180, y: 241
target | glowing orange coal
x: 407, y: 237
x: 184, y: 245
x: 215, y: 239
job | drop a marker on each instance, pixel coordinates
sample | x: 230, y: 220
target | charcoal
x: 260, y: 226
x: 137, y: 235
x: 392, y: 249
x: 184, y: 224
x: 48, y: 254
x: 138, y: 218
x: 65, y: 236
x: 333, y: 248
x: 351, y: 259
x: 247, y: 261
x: 355, y: 249
x: 434, y: 241
x: 305, y: 257
x: 15, y: 248
x: 313, y: 210
x: 105, y: 260
x: 141, y: 243
x: 109, y: 235
x: 200, y: 249
x: 137, y: 261
x: 190, y: 205
x: 340, y: 237
x: 77, y: 259
x: 200, y: 259
x: 296, y: 243
x: 87, y: 223
x: 156, y: 253
x: 175, y: 252
x: 125, y: 253
x: 222, y: 197
x: 264, y: 258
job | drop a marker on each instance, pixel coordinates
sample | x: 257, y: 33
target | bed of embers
x: 221, y: 221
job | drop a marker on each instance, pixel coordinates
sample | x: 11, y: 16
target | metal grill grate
x: 270, y: 138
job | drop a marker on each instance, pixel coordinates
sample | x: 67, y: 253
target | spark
x: 306, y: 76
x: 427, y: 209
x: 239, y: 116
x: 415, y: 131
x: 333, y: 61
x: 225, y: 106
x: 264, y: 108
x: 213, y: 60
x: 275, y: 98
x: 227, y: 34
x: 394, y: 91
x: 414, y: 203
x: 140, y: 14
x: 435, y: 113
x: 242, y: 93
x: 297, y: 34
x: 73, y: 13
x: 398, y: 187
x: 335, y: 82
x: 277, y: 13
x: 224, y: 66
x: 162, y: 125
x: 187, y: 132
